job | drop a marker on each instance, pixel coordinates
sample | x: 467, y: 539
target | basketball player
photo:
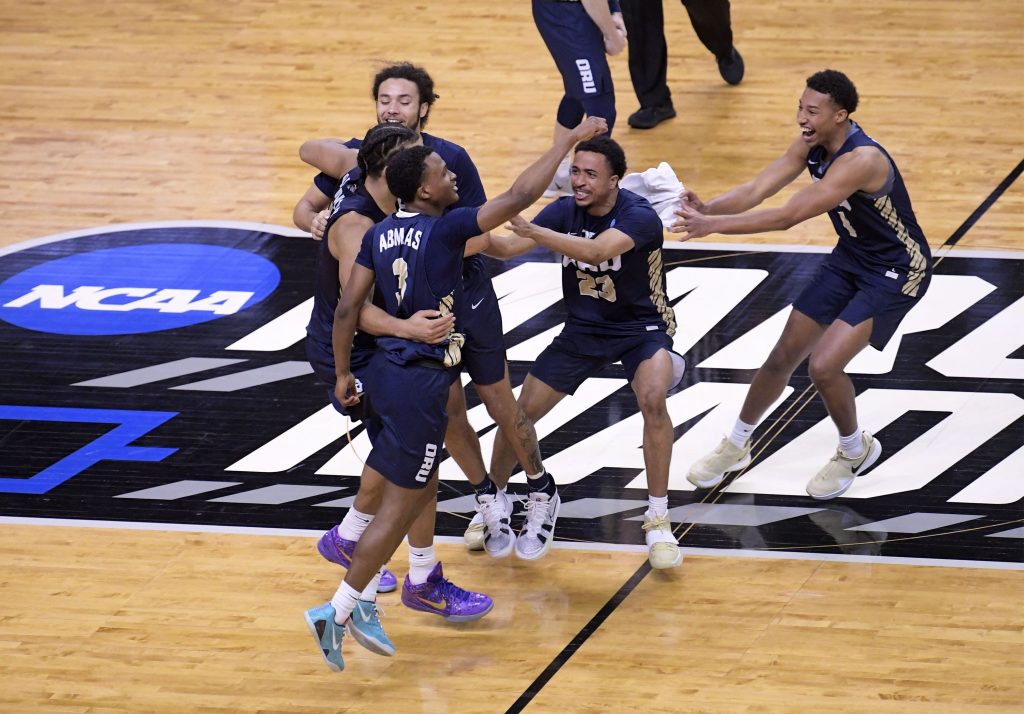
x: 367, y: 203
x: 404, y: 94
x: 414, y: 258
x: 578, y: 33
x: 878, y: 271
x: 614, y: 290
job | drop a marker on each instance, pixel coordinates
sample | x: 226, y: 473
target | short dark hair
x: 417, y: 75
x: 610, y: 149
x: 379, y: 143
x: 405, y: 172
x: 836, y: 85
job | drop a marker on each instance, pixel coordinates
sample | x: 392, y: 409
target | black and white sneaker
x: 539, y: 530
x: 496, y: 510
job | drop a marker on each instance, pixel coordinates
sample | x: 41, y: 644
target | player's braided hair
x: 379, y: 143
x: 417, y: 75
x: 836, y: 85
x: 405, y: 172
x: 610, y: 149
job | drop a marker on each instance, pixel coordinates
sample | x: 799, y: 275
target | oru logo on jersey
x: 159, y: 372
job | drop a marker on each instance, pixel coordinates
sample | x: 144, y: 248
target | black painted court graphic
x: 158, y: 373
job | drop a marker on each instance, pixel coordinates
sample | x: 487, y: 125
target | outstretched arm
x: 507, y: 247
x: 855, y: 171
x: 531, y: 183
x: 329, y: 155
x: 592, y: 251
x: 770, y: 181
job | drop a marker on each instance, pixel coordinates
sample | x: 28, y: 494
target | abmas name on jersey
x: 402, y: 235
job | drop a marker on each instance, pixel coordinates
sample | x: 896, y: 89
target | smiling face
x: 398, y: 101
x: 820, y: 118
x: 439, y: 182
x: 593, y: 183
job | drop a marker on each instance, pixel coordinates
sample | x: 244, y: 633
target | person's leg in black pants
x: 648, y: 61
x: 713, y: 25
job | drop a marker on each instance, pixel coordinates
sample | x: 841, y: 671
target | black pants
x: 648, y: 53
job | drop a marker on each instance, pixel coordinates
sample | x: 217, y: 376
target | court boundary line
x: 292, y: 232
x: 594, y: 546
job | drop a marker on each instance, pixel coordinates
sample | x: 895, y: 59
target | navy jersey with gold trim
x: 417, y: 263
x: 327, y: 285
x: 624, y: 294
x: 878, y: 232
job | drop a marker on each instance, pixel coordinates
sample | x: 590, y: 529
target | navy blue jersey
x: 327, y: 286
x: 467, y: 180
x: 336, y: 188
x: 878, y: 232
x: 626, y: 293
x: 417, y: 263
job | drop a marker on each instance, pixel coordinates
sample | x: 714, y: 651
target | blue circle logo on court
x: 136, y: 288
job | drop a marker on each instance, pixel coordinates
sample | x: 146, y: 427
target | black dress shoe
x: 731, y: 68
x: 650, y: 117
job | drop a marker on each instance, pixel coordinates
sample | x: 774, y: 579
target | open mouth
x: 807, y: 132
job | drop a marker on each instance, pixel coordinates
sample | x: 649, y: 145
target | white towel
x: 660, y: 186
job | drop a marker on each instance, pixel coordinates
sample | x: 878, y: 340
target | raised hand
x: 589, y: 128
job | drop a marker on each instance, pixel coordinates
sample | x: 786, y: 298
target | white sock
x: 353, y: 524
x: 852, y: 446
x: 741, y: 431
x: 369, y: 593
x: 657, y: 505
x: 421, y: 563
x: 344, y: 602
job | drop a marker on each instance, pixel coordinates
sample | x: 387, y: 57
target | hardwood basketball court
x: 120, y: 113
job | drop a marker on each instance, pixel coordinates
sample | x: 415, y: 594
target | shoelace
x: 491, y: 511
x: 656, y: 523
x: 451, y: 591
x: 536, y: 514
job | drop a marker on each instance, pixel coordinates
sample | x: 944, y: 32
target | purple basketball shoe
x: 338, y: 550
x: 439, y: 596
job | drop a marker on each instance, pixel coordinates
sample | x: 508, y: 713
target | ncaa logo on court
x: 136, y: 288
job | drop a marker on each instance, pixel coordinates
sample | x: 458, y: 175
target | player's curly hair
x: 417, y: 75
x: 836, y: 85
x: 405, y: 172
x: 610, y: 149
x: 379, y: 143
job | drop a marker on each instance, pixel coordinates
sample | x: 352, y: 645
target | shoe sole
x: 316, y: 636
x: 876, y: 451
x: 326, y: 554
x: 506, y: 551
x: 371, y: 643
x: 646, y: 127
x: 449, y: 618
x: 470, y: 618
x: 547, y: 546
x: 742, y: 464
